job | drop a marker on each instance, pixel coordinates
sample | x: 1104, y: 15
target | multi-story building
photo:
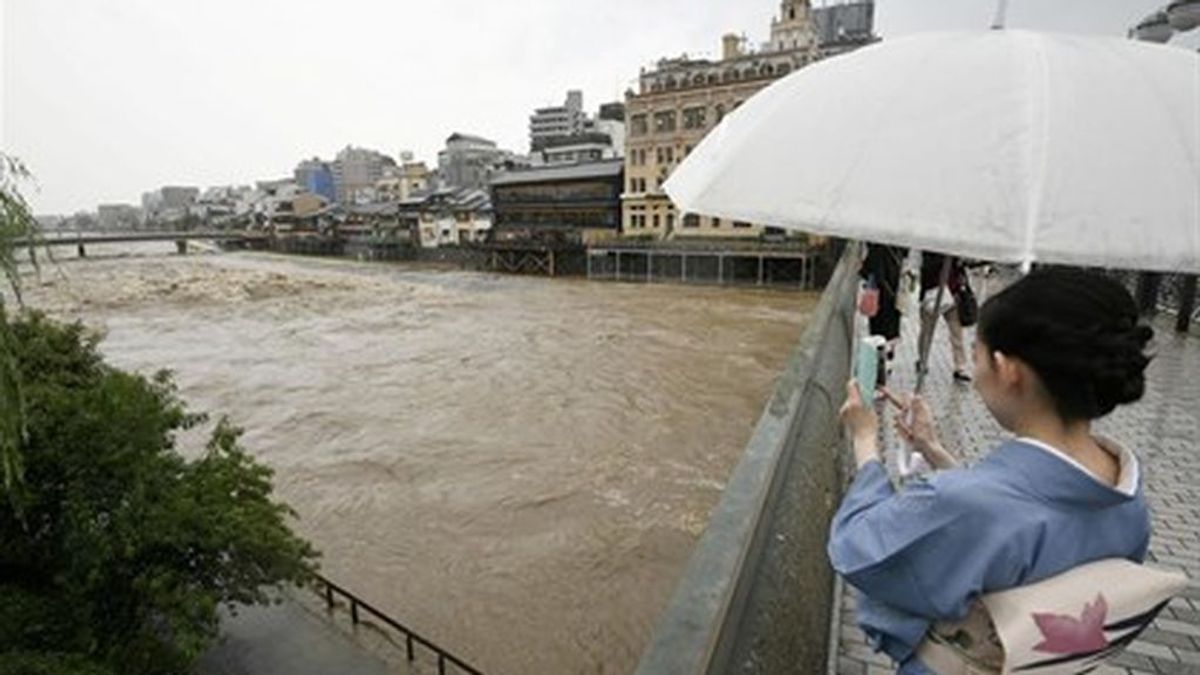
x: 401, y: 183
x: 355, y: 172
x: 169, y: 203
x: 680, y: 100
x: 470, y: 161
x: 316, y: 176
x: 566, y: 134
x: 118, y: 216
x: 450, y: 217
x: 575, y: 204
x: 567, y: 119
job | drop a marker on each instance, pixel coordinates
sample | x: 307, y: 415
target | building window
x: 654, y: 221
x: 694, y: 118
x: 670, y: 153
x: 659, y: 156
x: 637, y: 125
x: 741, y: 224
x: 691, y: 220
x: 670, y: 221
x: 716, y: 222
x: 687, y: 150
x: 720, y: 112
x: 664, y: 122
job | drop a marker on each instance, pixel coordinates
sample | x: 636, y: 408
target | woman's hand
x: 914, y: 422
x: 861, y: 424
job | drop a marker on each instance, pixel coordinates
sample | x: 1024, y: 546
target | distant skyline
x: 106, y: 99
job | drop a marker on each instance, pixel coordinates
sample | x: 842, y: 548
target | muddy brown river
x: 517, y: 467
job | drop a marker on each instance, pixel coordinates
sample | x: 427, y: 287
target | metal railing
x: 328, y: 590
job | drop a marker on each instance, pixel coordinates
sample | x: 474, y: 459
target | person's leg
x: 928, y: 322
x: 956, y: 344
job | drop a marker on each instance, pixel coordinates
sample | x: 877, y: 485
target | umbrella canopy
x: 1002, y: 145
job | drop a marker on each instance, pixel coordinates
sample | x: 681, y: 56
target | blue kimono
x: 1020, y: 515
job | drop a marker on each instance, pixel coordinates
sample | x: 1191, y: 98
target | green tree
x: 117, y: 551
x: 16, y: 224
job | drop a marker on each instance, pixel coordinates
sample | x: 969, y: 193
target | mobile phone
x: 866, y: 367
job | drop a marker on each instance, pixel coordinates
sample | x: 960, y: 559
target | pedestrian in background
x: 931, y: 276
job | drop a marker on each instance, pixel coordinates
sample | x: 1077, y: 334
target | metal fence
x: 330, y: 591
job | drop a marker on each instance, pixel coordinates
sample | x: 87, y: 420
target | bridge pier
x: 82, y: 251
x: 181, y: 246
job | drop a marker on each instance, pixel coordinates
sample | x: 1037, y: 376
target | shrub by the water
x: 116, y: 551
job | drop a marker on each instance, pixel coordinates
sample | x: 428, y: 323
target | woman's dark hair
x: 1079, y: 332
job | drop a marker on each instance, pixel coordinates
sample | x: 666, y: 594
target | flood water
x: 517, y: 467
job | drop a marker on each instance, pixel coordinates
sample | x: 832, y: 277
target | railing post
x: 441, y: 664
x: 354, y: 610
x: 408, y: 643
x: 328, y: 594
x: 1147, y: 292
x: 1187, y: 303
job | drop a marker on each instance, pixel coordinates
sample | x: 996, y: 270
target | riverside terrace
x: 758, y: 595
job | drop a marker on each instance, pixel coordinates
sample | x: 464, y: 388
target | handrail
x: 758, y: 588
x: 411, y: 637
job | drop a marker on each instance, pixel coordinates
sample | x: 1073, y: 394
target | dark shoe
x: 960, y: 376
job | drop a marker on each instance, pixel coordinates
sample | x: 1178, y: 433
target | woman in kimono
x: 1054, y: 351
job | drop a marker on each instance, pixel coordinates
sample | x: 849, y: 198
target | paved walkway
x: 1163, y: 428
x: 287, y: 639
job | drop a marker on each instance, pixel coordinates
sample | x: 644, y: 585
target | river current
x: 517, y: 467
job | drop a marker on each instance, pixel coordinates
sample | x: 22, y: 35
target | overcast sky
x: 105, y: 99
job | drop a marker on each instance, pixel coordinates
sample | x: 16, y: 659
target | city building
x: 168, y: 204
x: 401, y: 183
x: 592, y: 146
x: 566, y: 134
x: 681, y: 99
x: 565, y: 120
x: 450, y: 217
x: 578, y: 203
x: 225, y: 206
x: 118, y: 216
x: 470, y: 161
x: 610, y: 121
x: 355, y: 173
x: 316, y: 176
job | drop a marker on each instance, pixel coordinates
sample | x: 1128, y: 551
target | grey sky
x: 105, y: 99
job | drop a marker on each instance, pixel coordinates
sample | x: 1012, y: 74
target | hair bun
x: 1120, y: 375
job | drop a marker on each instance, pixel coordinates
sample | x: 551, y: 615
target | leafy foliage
x: 117, y: 551
x: 16, y: 224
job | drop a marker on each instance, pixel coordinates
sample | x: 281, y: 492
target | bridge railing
x: 757, y: 594
x: 330, y: 591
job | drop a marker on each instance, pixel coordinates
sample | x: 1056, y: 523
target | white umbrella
x: 1001, y: 145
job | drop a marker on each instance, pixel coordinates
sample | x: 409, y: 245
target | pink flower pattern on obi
x: 1064, y: 634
